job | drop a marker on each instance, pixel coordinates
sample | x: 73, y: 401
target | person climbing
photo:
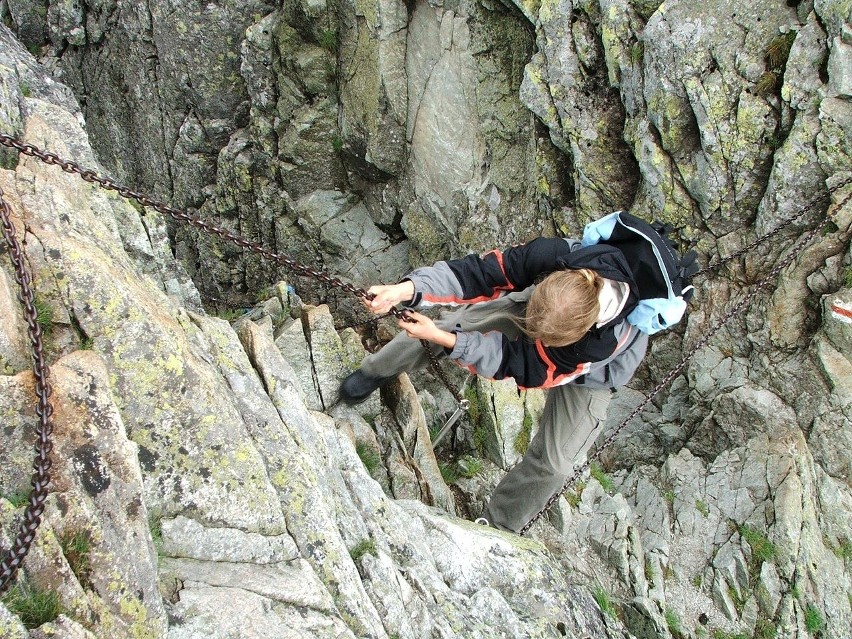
x: 554, y: 313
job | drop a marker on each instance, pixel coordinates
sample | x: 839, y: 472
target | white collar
x: 612, y: 298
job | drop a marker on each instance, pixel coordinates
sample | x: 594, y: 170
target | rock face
x: 208, y: 464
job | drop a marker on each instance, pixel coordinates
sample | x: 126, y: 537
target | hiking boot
x: 358, y: 386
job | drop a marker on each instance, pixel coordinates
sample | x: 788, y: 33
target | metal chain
x: 32, y: 516
x: 44, y: 409
x: 806, y: 207
x: 744, y: 303
x: 182, y: 216
x: 300, y: 269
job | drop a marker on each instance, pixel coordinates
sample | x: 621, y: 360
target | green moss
x: 337, y: 143
x: 701, y: 507
x: 35, y: 607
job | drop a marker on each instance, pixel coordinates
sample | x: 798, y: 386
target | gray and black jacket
x: 606, y: 357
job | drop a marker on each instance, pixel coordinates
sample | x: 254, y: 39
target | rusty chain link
x: 41, y: 466
x: 788, y: 259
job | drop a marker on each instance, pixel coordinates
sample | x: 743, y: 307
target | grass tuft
x: 603, y: 479
x: 814, y: 620
x: 369, y: 456
x: 35, y: 607
x: 761, y: 547
x: 76, y: 546
x: 604, y: 602
x: 363, y: 547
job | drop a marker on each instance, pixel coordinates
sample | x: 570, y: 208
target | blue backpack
x: 661, y: 274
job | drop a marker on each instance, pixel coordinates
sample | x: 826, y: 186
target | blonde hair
x: 563, y: 307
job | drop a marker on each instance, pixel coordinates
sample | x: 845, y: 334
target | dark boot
x: 357, y: 387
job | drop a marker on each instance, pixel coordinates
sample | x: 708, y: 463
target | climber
x: 551, y: 314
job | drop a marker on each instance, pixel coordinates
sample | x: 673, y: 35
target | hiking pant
x: 572, y: 419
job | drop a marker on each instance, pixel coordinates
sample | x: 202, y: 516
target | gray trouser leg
x: 572, y: 419
x: 403, y: 353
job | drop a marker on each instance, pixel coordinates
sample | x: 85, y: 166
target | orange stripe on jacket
x: 551, y: 378
x: 498, y: 255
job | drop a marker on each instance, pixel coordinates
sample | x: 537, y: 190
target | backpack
x: 661, y: 274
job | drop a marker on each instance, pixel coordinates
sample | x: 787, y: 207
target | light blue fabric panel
x: 654, y: 315
x: 600, y: 229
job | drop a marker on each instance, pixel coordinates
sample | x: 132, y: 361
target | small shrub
x: 847, y: 277
x: 649, y: 570
x: 698, y: 581
x: 844, y: 550
x: 34, y: 607
x: 778, y: 50
x: 87, y: 344
x: 604, y: 602
x: 337, y: 143
x: 230, y: 314
x: 363, y: 547
x: 603, y: 479
x: 764, y: 629
x: 369, y: 455
x: 701, y: 507
x: 669, y: 496
x: 637, y: 52
x: 814, y: 620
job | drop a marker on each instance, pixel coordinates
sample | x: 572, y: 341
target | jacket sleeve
x: 475, y: 278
